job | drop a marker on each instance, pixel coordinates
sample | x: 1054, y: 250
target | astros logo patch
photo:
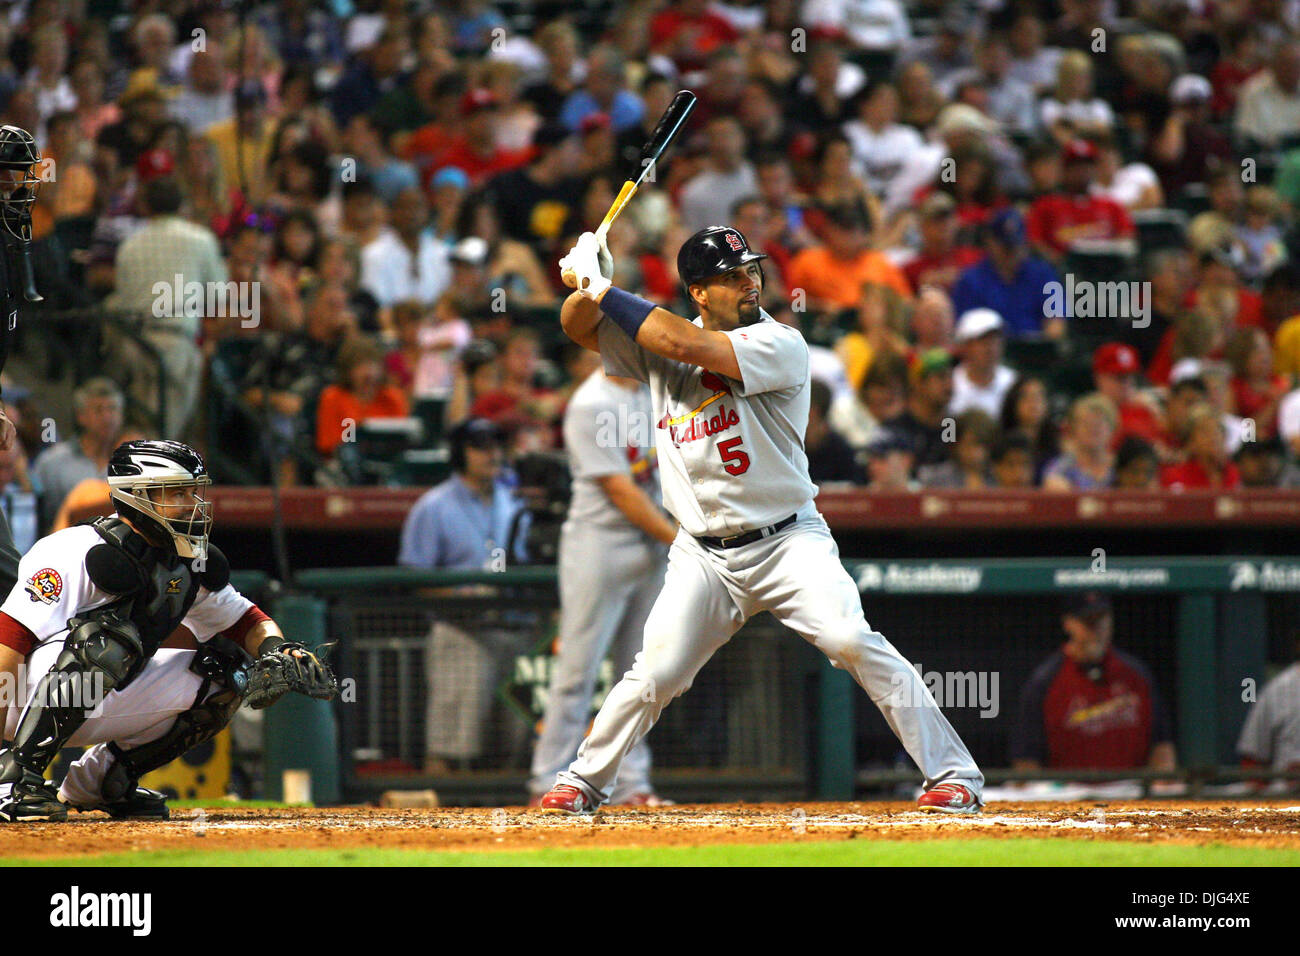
x: 733, y: 240
x: 45, y: 586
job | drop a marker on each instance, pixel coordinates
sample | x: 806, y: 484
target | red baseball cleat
x: 564, y: 798
x: 949, y: 798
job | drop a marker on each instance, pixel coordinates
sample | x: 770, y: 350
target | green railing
x: 1219, y: 637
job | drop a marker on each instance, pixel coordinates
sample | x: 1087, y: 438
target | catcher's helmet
x: 137, y: 468
x: 19, y: 180
x: 712, y: 251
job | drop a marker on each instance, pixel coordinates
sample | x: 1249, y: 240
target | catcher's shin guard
x: 223, y: 664
x: 99, y: 655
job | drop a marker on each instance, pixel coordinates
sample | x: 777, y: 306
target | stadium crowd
x: 1033, y: 244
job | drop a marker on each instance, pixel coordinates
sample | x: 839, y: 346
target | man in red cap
x: 475, y: 149
x: 1115, y: 369
x: 1057, y: 221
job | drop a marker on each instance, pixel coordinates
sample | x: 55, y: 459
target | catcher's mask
x: 19, y: 181
x: 144, y: 478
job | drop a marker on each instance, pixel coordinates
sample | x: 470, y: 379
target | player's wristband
x: 627, y: 310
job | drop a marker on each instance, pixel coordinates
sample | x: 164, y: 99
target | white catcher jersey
x: 53, y: 586
x: 608, y: 430
x: 731, y: 454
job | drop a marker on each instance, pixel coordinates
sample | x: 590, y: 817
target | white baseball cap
x: 472, y: 250
x: 1190, y: 87
x: 977, y: 323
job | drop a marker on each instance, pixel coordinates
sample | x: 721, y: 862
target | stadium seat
x: 1032, y: 355
x: 380, y: 444
x: 431, y: 410
x: 422, y: 467
x: 1160, y: 228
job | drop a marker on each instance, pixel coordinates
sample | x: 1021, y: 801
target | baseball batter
x: 612, y: 552
x: 730, y: 394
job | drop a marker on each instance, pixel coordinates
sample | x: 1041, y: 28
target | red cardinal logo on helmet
x: 734, y: 241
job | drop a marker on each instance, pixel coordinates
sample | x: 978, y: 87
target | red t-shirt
x: 1059, y: 220
x: 1250, y: 401
x: 478, y: 166
x: 707, y: 33
x: 1192, y: 474
x: 920, y: 271
x: 1137, y: 418
x: 1069, y: 721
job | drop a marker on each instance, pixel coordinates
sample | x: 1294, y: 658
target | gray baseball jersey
x: 711, y: 430
x: 1271, y: 733
x: 608, y: 430
x: 732, y: 460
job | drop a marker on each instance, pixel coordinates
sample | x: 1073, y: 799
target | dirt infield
x: 1262, y: 824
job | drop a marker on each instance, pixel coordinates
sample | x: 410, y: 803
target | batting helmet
x: 478, y: 432
x: 712, y: 251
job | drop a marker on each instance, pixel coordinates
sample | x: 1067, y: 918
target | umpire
x: 19, y: 180
x: 613, y: 550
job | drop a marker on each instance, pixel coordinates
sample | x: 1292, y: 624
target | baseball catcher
x: 83, y: 631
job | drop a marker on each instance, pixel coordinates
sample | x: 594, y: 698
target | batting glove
x: 581, y: 268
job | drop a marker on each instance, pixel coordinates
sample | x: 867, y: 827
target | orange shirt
x: 338, y: 403
x: 822, y: 276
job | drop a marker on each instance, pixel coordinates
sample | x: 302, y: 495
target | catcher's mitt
x: 289, y: 667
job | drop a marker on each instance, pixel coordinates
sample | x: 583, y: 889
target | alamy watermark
x: 959, y: 689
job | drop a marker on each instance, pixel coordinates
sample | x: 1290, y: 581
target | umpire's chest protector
x: 151, y: 587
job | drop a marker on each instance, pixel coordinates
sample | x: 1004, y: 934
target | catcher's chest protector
x: 154, y: 589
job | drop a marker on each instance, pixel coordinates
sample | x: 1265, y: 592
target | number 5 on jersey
x: 734, y: 460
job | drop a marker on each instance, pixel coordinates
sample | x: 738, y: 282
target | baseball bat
x: 665, y: 131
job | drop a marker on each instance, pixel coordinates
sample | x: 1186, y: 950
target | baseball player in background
x: 730, y: 394
x: 82, y: 633
x: 613, y: 548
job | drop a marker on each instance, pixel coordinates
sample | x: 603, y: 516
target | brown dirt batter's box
x: 1255, y: 823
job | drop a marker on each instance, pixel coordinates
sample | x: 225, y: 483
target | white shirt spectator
x: 392, y: 274
x: 987, y: 398
x: 869, y: 24
x: 882, y: 155
x: 1129, y: 184
x: 825, y: 365
x: 1038, y: 72
x: 1265, y: 112
x: 1087, y: 113
x: 200, y: 111
x: 1012, y: 102
x: 707, y: 199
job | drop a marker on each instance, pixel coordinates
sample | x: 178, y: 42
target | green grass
x: 953, y: 852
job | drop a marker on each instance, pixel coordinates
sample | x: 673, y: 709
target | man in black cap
x: 1089, y: 705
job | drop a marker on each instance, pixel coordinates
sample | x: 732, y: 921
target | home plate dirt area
x: 1253, y: 823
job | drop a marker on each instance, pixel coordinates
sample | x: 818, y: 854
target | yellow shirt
x: 255, y: 152
x: 856, y: 351
x: 1286, y: 349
